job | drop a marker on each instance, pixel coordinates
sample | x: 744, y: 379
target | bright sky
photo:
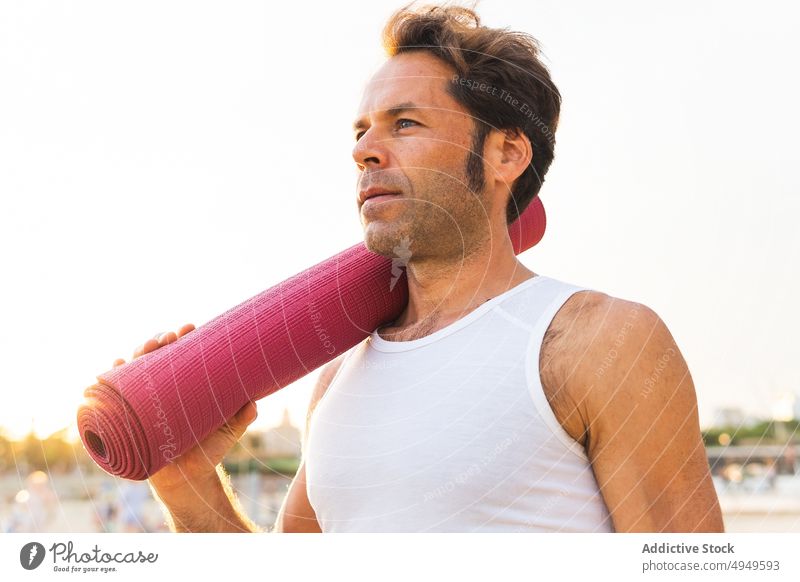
x: 162, y: 161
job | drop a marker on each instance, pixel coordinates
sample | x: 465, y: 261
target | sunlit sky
x: 163, y: 161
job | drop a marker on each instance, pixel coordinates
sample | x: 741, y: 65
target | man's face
x: 414, y: 139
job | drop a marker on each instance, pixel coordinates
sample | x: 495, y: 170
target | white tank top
x: 452, y: 432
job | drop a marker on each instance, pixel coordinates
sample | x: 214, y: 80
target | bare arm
x: 206, y: 506
x: 635, y: 411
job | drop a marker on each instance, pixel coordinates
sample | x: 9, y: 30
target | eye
x: 399, y: 123
x: 360, y: 134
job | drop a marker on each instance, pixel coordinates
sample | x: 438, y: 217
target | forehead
x: 417, y: 77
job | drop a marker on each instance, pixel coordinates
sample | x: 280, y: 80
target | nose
x: 369, y: 152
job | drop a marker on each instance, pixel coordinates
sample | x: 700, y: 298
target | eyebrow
x: 392, y: 111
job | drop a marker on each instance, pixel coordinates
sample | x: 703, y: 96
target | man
x: 500, y: 399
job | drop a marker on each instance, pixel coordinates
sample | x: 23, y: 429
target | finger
x: 150, y: 345
x: 242, y: 419
x: 167, y: 338
x: 118, y: 362
x: 186, y: 328
x: 248, y: 413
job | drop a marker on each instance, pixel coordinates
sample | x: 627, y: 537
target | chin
x: 383, y: 238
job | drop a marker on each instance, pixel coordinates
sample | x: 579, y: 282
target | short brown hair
x: 499, y: 78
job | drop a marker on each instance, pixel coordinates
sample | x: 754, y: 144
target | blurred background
x: 163, y: 161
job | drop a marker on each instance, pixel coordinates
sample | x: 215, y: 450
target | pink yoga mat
x: 143, y: 414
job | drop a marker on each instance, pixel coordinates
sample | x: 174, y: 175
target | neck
x: 441, y: 290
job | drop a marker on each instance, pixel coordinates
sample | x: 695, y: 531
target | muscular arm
x: 222, y: 511
x: 624, y: 391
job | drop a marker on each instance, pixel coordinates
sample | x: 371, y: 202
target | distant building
x: 282, y: 441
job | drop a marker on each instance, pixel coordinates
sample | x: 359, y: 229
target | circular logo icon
x: 31, y: 555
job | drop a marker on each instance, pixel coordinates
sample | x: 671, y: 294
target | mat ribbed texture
x: 141, y: 415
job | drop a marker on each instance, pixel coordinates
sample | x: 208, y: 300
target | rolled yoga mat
x: 141, y: 415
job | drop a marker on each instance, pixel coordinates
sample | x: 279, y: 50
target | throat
x: 405, y: 333
x: 433, y: 322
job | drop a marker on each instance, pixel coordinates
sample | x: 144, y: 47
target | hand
x: 197, y: 467
x: 160, y: 340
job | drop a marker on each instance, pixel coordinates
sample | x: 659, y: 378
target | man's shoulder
x: 590, y: 318
x: 594, y: 334
x: 594, y: 344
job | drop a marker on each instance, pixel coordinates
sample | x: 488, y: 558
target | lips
x: 379, y: 198
x: 375, y: 192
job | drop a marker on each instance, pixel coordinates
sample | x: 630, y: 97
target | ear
x: 509, y: 156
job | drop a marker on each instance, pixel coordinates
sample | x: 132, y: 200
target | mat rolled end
x: 112, y: 434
